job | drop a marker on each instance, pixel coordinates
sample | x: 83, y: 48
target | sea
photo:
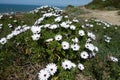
x: 10, y: 8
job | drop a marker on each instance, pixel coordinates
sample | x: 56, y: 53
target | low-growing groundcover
x: 46, y: 44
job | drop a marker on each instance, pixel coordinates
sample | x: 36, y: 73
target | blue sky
x: 47, y: 2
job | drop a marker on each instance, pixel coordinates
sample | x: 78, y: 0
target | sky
x: 47, y: 2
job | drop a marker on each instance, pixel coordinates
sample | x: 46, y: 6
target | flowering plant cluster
x: 57, y: 39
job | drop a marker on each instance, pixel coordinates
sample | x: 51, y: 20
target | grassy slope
x: 105, y: 4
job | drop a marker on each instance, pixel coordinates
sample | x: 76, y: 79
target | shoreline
x: 21, y: 8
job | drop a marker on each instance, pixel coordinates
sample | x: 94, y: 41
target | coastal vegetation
x: 48, y: 44
x: 104, y: 4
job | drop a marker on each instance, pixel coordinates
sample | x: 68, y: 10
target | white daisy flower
x: 104, y: 27
x: 103, y: 0
x: 39, y: 20
x: 107, y: 38
x: 43, y: 74
x: 92, y: 54
x: 107, y: 25
x: 36, y: 11
x: 99, y: 24
x: 116, y: 28
x: 10, y: 25
x: 58, y: 37
x: 87, y: 25
x: 1, y: 26
x: 91, y: 35
x: 46, y: 25
x: 68, y: 22
x: 90, y: 46
x: 15, y: 33
x: 91, y: 25
x: 18, y: 28
x: 72, y: 27
x: 1, y: 16
x: 88, y: 40
x: 49, y: 40
x: 86, y: 20
x: 67, y: 64
x: 3, y: 40
x: 96, y: 49
x: 84, y: 55
x: 35, y: 29
x: 114, y: 59
x: 81, y: 66
x: 35, y: 36
x: 15, y: 21
x: 75, y: 20
x: 58, y: 19
x: 47, y: 14
x: 75, y: 40
x: 73, y: 65
x: 25, y: 28
x: 83, y: 26
x: 66, y: 16
x: 75, y: 47
x: 10, y: 17
x: 52, y: 68
x: 54, y: 26
x: 65, y: 25
x: 81, y: 33
x: 65, y: 45
x: 9, y: 36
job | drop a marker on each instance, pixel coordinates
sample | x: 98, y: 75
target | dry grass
x: 80, y: 76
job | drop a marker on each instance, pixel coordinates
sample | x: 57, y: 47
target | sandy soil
x: 108, y: 16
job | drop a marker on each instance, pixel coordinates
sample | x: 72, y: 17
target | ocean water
x: 8, y: 8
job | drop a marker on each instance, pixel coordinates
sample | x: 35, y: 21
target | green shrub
x: 104, y: 4
x: 23, y: 54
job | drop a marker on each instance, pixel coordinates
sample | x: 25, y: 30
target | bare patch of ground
x: 80, y: 76
x: 107, y: 16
